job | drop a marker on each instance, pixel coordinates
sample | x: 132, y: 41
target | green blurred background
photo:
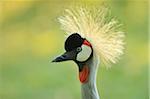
x: 30, y: 37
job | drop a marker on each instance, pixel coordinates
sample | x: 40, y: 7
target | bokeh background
x: 30, y: 37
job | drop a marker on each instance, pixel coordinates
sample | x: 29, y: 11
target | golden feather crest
x: 92, y: 24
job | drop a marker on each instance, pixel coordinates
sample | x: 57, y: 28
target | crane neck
x: 89, y: 89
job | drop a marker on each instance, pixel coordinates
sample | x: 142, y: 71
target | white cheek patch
x: 84, y: 54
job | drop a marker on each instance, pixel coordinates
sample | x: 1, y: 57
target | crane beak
x: 66, y: 56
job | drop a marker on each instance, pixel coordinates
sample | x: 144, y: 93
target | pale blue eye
x: 79, y: 49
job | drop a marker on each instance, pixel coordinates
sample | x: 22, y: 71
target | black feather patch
x: 73, y: 41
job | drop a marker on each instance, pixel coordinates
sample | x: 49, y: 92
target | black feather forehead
x: 73, y: 41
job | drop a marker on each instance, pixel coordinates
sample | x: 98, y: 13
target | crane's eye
x: 79, y: 49
x: 84, y: 53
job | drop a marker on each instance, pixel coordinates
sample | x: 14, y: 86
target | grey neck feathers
x: 89, y: 89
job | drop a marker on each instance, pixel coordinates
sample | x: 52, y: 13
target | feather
x: 93, y: 24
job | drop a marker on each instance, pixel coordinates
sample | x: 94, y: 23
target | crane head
x: 105, y: 39
x: 79, y: 50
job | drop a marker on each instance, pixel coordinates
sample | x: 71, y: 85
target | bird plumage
x: 89, y: 90
x: 91, y: 38
x: 92, y: 24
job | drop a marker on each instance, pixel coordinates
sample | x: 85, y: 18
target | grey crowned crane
x: 91, y: 39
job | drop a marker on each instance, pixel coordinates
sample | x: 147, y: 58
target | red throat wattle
x: 83, y: 75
